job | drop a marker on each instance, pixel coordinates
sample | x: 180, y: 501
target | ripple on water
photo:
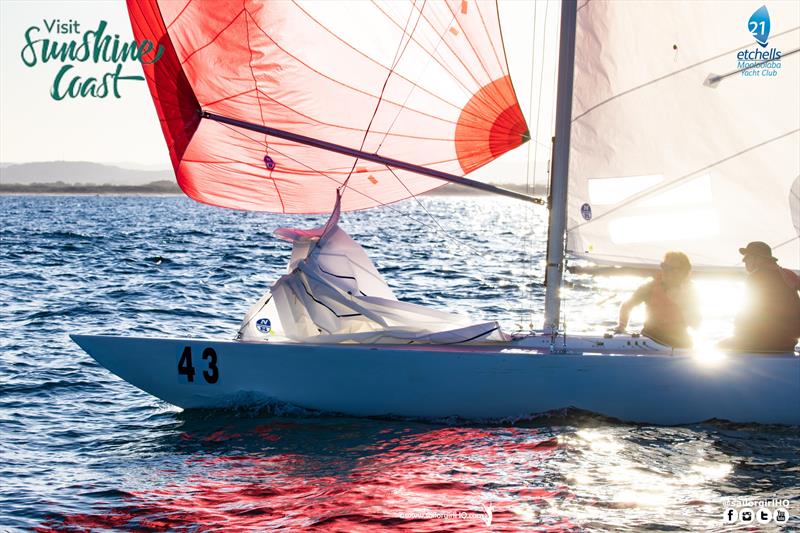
x: 82, y: 450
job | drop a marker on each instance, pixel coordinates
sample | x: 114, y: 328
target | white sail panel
x: 332, y: 293
x: 660, y: 158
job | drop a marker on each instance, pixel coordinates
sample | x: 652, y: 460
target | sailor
x: 671, y: 304
x: 770, y: 320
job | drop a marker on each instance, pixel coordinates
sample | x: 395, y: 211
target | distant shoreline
x: 161, y: 188
x: 166, y: 188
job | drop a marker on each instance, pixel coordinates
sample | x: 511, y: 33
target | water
x: 82, y: 450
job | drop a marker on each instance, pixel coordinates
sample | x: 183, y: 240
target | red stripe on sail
x: 481, y: 136
x: 174, y: 99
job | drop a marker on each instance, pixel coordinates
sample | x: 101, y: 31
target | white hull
x: 472, y: 382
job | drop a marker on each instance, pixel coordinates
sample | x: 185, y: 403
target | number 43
x: 185, y: 367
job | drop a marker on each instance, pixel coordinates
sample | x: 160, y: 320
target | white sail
x: 666, y: 157
x: 332, y: 293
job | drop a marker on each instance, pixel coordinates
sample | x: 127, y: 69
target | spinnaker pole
x: 559, y: 176
x: 375, y: 158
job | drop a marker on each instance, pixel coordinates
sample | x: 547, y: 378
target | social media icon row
x: 763, y: 515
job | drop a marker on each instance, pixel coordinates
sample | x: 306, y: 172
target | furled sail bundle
x: 667, y: 152
x: 332, y: 293
x: 421, y: 81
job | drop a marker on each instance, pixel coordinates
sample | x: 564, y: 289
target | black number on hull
x: 185, y: 367
x: 212, y: 377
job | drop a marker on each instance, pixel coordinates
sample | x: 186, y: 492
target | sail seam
x: 351, y: 128
x: 446, y: 67
x: 664, y: 77
x: 365, y: 56
x: 209, y: 43
x: 398, y: 55
x: 414, y: 86
x: 225, y: 98
x: 491, y: 41
x: 260, y: 107
x: 339, y: 82
x: 337, y: 315
x: 669, y: 184
x: 323, y: 174
x: 499, y: 105
x: 178, y: 15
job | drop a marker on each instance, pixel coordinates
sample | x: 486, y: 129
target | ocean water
x: 81, y: 450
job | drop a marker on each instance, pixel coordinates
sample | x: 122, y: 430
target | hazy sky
x: 34, y: 127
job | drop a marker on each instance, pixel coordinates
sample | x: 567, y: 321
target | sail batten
x: 414, y: 82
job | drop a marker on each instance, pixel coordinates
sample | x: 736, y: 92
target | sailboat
x: 663, y: 140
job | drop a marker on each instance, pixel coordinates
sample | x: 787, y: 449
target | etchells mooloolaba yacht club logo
x: 101, y: 54
x: 760, y: 61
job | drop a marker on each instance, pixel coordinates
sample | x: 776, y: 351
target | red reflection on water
x: 451, y: 479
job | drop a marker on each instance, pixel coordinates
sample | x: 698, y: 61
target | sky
x: 125, y: 130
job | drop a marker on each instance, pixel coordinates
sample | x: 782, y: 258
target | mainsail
x: 666, y: 153
x: 424, y: 82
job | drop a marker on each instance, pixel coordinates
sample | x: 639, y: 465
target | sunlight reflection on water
x: 83, y: 450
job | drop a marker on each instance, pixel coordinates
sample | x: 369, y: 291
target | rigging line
x: 553, y: 91
x: 669, y: 184
x: 539, y: 102
x: 784, y: 243
x: 398, y: 54
x: 527, y: 295
x: 488, y: 102
x: 373, y: 61
x: 530, y: 97
x: 343, y: 84
x: 444, y: 231
x: 414, y: 84
x: 664, y: 77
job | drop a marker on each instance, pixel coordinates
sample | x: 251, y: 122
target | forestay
x: 663, y: 156
x: 332, y: 293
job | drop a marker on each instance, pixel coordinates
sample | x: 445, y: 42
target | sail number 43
x: 185, y: 367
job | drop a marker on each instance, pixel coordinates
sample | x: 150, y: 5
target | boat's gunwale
x: 504, y: 349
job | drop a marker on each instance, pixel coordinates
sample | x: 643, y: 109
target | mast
x: 560, y: 172
x: 375, y: 158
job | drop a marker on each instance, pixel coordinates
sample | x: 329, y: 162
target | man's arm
x: 641, y: 294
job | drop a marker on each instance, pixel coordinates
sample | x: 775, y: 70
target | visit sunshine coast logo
x: 56, y: 41
x: 761, y: 61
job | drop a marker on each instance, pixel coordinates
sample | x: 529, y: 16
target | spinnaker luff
x: 422, y: 82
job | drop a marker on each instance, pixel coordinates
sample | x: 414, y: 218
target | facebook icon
x: 730, y: 515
